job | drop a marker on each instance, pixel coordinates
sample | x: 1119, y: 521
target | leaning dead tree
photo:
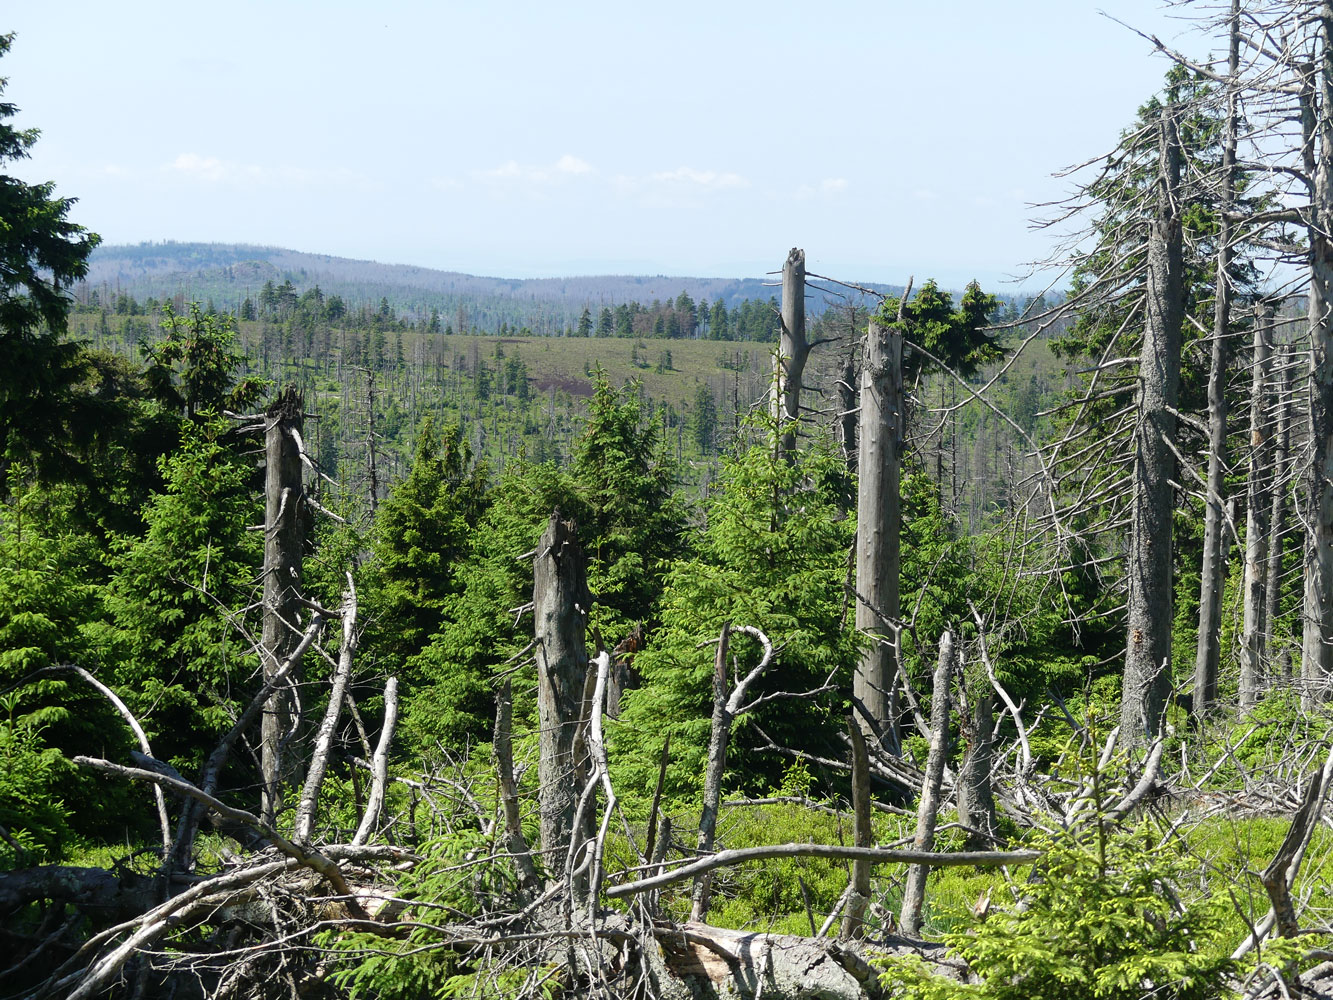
x: 928, y: 807
x: 793, y: 349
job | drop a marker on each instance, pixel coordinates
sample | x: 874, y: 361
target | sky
x: 527, y: 139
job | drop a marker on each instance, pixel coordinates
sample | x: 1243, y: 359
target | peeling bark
x: 561, y: 601
x: 284, y: 538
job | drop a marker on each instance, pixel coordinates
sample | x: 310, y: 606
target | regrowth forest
x: 920, y: 645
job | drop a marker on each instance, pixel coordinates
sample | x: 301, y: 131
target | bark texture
x: 1277, y: 511
x: 1213, y: 574
x: 976, y: 797
x: 284, y: 538
x: 1318, y: 631
x: 1256, y: 519
x: 847, y: 416
x: 561, y: 600
x: 878, y: 523
x: 858, y: 892
x: 1147, y: 676
x: 928, y: 808
x: 793, y: 348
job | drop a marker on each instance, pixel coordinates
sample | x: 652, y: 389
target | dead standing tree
x: 284, y: 539
x: 928, y: 807
x: 1213, y: 573
x: 1317, y: 117
x: 878, y: 524
x: 793, y: 350
x: 1147, y: 677
x: 560, y: 600
x: 1257, y: 535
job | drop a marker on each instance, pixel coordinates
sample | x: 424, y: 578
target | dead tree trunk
x: 1256, y: 518
x: 928, y: 808
x: 847, y: 416
x: 284, y: 537
x: 878, y: 522
x: 560, y: 602
x: 1147, y: 676
x: 1213, y: 575
x: 976, y: 798
x: 1277, y: 510
x: 1316, y: 651
x: 793, y: 348
x: 725, y: 710
x: 372, y: 473
x: 719, y: 733
x: 858, y: 892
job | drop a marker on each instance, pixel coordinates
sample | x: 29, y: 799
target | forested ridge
x: 920, y: 644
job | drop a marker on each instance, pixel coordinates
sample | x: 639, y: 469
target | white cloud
x: 208, y: 168
x: 511, y: 171
x: 829, y: 187
x: 214, y: 170
x: 568, y: 164
x: 708, y: 179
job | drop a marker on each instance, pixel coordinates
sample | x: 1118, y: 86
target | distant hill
x: 227, y: 273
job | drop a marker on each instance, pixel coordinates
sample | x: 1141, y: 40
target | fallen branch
x: 728, y: 859
x: 309, y: 857
x: 379, y: 765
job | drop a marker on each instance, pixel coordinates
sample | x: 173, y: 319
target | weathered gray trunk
x: 1256, y: 517
x: 858, y: 892
x: 1277, y: 511
x: 1147, y: 676
x: 976, y: 798
x: 719, y: 734
x: 372, y: 474
x: 1318, y: 613
x: 928, y: 808
x: 284, y: 538
x: 1213, y: 574
x: 878, y: 520
x: 793, y: 348
x: 560, y: 603
x: 847, y: 416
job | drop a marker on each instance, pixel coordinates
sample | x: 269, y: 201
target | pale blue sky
x: 527, y: 139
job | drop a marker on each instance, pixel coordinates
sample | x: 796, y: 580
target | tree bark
x: 976, y: 798
x: 319, y: 760
x: 858, y: 900
x: 1213, y: 575
x: 847, y: 415
x: 793, y: 348
x: 720, y: 731
x: 878, y: 523
x: 927, y: 810
x: 284, y: 538
x: 725, y: 710
x: 1147, y: 676
x: 1278, y: 500
x: 1256, y: 518
x: 561, y: 600
x: 1316, y: 658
